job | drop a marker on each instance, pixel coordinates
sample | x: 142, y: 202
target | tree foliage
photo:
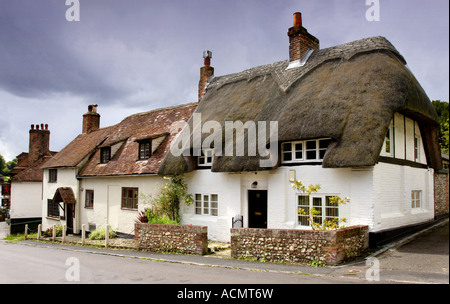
x: 442, y: 110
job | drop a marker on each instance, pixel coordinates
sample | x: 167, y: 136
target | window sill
x: 53, y: 218
x: 129, y: 209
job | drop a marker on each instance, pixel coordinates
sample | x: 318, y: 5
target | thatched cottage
x: 352, y: 118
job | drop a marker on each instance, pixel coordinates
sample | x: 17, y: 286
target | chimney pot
x: 206, y: 72
x: 300, y: 41
x: 46, y: 126
x: 32, y: 127
x: 42, y: 126
x: 91, y: 120
x: 37, y: 126
x: 297, y: 19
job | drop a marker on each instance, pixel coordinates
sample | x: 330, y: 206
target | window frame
x: 52, y: 175
x: 53, y: 209
x: 129, y: 203
x: 416, y: 199
x: 327, y: 211
x: 145, y: 150
x: 206, y: 207
x: 105, y: 151
x: 89, y: 199
x: 416, y: 148
x: 294, y: 152
x: 202, y: 159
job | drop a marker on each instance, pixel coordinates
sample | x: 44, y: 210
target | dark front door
x: 69, y: 218
x: 257, y: 208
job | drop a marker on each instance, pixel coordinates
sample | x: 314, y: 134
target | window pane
x: 214, y: 197
x: 311, y: 154
x: 287, y: 147
x: 311, y: 145
x: 287, y: 156
x: 323, y: 143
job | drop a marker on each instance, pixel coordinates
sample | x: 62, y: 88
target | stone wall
x: 441, y: 194
x: 172, y: 238
x: 299, y: 246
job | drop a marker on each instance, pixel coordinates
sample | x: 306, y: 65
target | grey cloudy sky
x: 138, y: 55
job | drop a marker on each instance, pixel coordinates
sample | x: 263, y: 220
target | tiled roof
x: 84, y: 151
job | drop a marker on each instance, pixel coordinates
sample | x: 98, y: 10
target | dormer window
x: 206, y: 157
x: 105, y: 155
x: 145, y: 149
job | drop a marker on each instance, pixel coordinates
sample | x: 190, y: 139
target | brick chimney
x: 91, y: 120
x: 300, y: 41
x: 39, y: 143
x: 206, y: 72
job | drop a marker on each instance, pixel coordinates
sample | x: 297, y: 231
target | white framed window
x: 207, y: 204
x: 304, y: 151
x: 321, y: 203
x: 206, y: 157
x: 416, y: 199
x: 416, y: 148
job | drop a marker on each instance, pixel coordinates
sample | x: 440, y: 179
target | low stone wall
x: 172, y: 238
x: 299, y: 246
x: 441, y: 194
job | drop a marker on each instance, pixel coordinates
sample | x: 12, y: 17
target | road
x: 25, y: 264
x: 422, y: 260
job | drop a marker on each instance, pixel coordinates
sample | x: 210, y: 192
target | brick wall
x: 172, y: 238
x: 299, y: 246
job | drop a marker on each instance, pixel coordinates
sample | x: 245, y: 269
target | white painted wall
x: 380, y: 196
x: 107, y: 200
x: 392, y: 187
x: 26, y: 200
x: 66, y: 177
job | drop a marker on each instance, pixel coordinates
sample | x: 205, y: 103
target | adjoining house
x: 106, y: 175
x: 26, y: 180
x: 352, y: 118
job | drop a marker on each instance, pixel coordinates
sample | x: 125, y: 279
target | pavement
x: 421, y: 258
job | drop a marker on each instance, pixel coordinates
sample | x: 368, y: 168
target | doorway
x: 69, y: 218
x: 257, y: 208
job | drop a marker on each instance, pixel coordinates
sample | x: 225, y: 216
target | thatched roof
x: 348, y: 93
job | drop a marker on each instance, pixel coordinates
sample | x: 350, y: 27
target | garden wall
x: 299, y: 246
x: 172, y: 238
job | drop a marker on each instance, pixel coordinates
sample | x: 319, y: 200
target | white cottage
x: 102, y: 176
x: 351, y: 118
x: 26, y: 180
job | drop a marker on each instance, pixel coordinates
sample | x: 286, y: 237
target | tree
x: 2, y: 165
x: 5, y: 166
x: 442, y: 110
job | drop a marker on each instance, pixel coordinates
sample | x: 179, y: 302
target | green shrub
x: 154, y: 218
x: 49, y: 231
x: 99, y: 234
